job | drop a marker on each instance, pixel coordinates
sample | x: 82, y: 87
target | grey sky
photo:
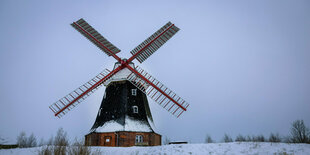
x: 242, y: 65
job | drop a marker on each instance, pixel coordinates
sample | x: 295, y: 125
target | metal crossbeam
x: 164, y: 97
x: 154, y: 42
x: 91, y: 34
x: 65, y: 104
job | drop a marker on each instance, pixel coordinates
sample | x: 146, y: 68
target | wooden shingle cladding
x: 122, y: 138
x: 118, y: 103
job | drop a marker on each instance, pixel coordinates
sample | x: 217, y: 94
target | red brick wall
x: 122, y: 138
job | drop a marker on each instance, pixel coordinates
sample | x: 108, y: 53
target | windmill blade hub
x: 122, y: 74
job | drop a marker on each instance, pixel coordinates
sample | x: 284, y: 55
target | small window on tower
x: 135, y: 109
x: 134, y: 92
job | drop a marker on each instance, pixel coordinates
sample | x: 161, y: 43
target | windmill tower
x: 124, y: 117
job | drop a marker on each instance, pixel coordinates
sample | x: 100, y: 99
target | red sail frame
x: 71, y: 99
x: 124, y: 63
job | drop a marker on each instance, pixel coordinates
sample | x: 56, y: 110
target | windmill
x: 124, y: 116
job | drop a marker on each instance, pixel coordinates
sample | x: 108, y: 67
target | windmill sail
x: 71, y: 100
x: 154, y: 42
x: 164, y: 96
x: 139, y: 78
x: 91, y: 34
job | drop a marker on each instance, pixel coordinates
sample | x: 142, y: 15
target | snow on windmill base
x: 130, y: 125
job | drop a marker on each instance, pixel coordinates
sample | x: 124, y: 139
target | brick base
x: 122, y: 138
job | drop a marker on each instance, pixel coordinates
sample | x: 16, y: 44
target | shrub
x: 60, y: 142
x: 227, y: 138
x: 31, y: 141
x: 61, y: 138
x: 299, y: 132
x: 248, y: 138
x: 78, y: 148
x: 22, y: 139
x: 240, y: 138
x: 209, y: 139
x: 46, y: 150
x: 259, y: 138
x: 274, y: 138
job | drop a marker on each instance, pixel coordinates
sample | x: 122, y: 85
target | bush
x: 299, y: 132
x: 240, y: 138
x: 259, y: 138
x: 61, y: 138
x: 209, y: 139
x: 59, y: 145
x: 274, y: 138
x: 32, y: 141
x: 248, y: 138
x: 227, y: 138
x: 23, y: 141
x: 60, y: 142
x: 78, y: 148
x: 46, y: 150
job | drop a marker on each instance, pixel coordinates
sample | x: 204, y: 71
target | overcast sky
x: 243, y: 66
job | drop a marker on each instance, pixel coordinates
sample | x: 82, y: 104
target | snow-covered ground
x: 6, y: 141
x: 237, y: 148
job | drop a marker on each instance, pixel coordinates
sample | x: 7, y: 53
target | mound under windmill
x: 124, y: 116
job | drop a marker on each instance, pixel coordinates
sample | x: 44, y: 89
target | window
x: 139, y: 138
x: 135, y: 109
x: 107, y: 141
x: 134, y: 92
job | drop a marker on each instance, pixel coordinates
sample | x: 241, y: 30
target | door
x: 107, y: 141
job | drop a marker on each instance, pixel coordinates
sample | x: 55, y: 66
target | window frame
x: 134, y: 92
x: 135, y: 109
x: 139, y: 139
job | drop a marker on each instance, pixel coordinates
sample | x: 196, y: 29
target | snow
x: 119, y: 76
x: 6, y: 141
x: 110, y: 126
x: 135, y: 125
x: 19, y: 151
x: 246, y: 148
x: 130, y: 125
x: 152, y: 124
